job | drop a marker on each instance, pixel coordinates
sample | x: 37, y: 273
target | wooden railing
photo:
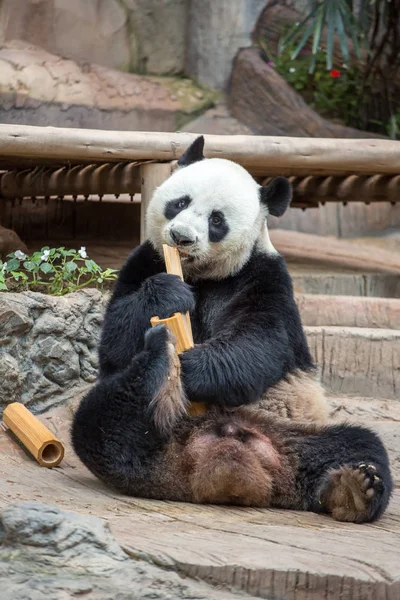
x: 57, y: 162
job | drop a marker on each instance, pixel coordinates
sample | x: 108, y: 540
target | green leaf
x: 13, y: 264
x: 36, y: 257
x: 3, y: 286
x: 30, y: 266
x: 302, y: 42
x: 318, y: 29
x: 342, y: 37
x: 100, y: 280
x: 331, y: 24
x: 108, y: 272
x: 296, y: 29
x: 71, y: 266
x: 46, y: 268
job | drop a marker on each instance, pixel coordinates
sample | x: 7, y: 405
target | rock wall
x: 130, y: 35
x: 40, y: 88
x: 48, y: 346
x: 216, y: 30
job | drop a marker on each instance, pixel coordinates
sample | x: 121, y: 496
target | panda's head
x: 214, y: 212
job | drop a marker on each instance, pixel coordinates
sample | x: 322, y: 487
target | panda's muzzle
x: 182, y: 239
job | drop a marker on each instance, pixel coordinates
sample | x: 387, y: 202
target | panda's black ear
x: 193, y: 154
x: 276, y: 196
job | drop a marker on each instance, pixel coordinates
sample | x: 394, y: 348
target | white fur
x: 213, y: 184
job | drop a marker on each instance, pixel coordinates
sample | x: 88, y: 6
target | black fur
x: 332, y: 447
x: 277, y: 196
x: 247, y: 329
x: 193, y: 154
x: 174, y: 207
x: 115, y: 436
x: 218, y: 227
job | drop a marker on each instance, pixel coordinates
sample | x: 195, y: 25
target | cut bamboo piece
x: 174, y: 267
x: 41, y: 443
x: 179, y: 323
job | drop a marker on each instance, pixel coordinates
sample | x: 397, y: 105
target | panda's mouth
x: 186, y: 257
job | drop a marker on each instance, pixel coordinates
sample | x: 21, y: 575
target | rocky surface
x: 216, y: 30
x: 48, y: 553
x: 268, y: 105
x: 10, y: 242
x: 217, y: 120
x: 48, y: 346
x: 122, y: 34
x: 40, y: 88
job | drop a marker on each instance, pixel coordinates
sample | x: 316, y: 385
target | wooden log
x: 152, y: 175
x: 262, y: 155
x: 41, y: 443
x: 178, y: 323
x: 305, y: 246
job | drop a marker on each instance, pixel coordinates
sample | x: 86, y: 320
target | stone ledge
x: 362, y: 361
x: 39, y: 88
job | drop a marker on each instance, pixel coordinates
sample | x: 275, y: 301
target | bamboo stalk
x: 179, y: 323
x: 41, y: 443
x: 259, y: 154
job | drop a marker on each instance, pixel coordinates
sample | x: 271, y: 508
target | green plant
x: 393, y: 127
x: 372, y: 24
x: 56, y: 271
x: 333, y: 93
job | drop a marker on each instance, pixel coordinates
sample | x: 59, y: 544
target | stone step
x: 349, y: 311
x: 355, y: 360
x: 380, y: 414
x: 381, y: 285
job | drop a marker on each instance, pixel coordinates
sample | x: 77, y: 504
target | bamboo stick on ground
x: 178, y: 323
x: 41, y: 443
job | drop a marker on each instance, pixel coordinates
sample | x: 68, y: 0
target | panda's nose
x: 181, y: 239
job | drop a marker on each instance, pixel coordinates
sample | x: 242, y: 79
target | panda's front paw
x: 355, y: 493
x: 167, y: 294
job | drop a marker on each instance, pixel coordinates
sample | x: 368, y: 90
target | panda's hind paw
x: 355, y: 493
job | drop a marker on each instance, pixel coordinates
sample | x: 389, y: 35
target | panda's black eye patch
x: 174, y: 207
x: 217, y: 226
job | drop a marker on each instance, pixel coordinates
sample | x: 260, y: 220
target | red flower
x: 335, y: 73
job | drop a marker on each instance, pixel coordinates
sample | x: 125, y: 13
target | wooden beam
x: 152, y: 175
x: 260, y: 155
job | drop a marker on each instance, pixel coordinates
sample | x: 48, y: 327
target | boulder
x: 268, y: 105
x: 40, y: 88
x: 46, y: 552
x: 129, y: 34
x: 10, y: 242
x: 216, y: 30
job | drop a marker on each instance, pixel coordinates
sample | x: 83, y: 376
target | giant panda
x: 249, y: 341
x: 261, y: 441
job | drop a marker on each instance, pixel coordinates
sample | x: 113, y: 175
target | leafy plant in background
x: 367, y: 33
x: 56, y: 271
x: 331, y: 92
